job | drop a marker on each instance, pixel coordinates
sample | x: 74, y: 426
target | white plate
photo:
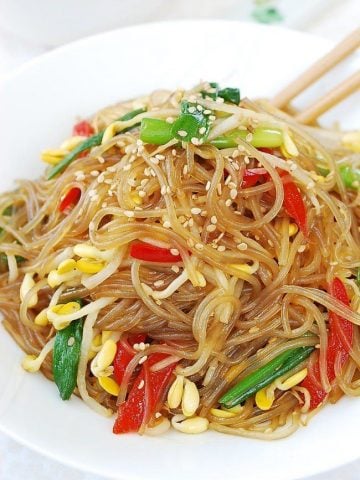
x: 38, y: 106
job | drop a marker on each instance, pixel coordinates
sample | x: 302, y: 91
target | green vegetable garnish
x: 265, y: 375
x: 155, y: 131
x: 66, y: 356
x: 350, y: 177
x: 261, y: 137
x: 191, y: 124
x: 229, y: 94
x: 90, y: 142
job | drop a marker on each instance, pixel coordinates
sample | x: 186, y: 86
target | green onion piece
x: 230, y: 95
x: 191, y: 124
x: 261, y: 137
x: 66, y: 357
x: 265, y: 375
x: 90, y: 142
x: 155, y: 131
x: 358, y: 277
x: 350, y: 177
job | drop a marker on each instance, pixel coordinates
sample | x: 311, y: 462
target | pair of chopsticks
x: 312, y: 74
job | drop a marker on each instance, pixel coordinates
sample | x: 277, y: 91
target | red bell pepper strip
x: 124, y: 354
x: 70, y: 200
x: 252, y: 176
x: 339, y: 344
x: 151, y: 253
x: 293, y: 203
x: 145, y: 396
x: 84, y: 129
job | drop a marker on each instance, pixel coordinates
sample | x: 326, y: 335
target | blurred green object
x: 267, y: 14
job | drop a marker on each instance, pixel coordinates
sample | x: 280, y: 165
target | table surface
x: 332, y: 19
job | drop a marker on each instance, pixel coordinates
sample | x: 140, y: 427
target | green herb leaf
x: 191, y: 124
x: 90, y: 142
x: 265, y: 375
x: 66, y: 357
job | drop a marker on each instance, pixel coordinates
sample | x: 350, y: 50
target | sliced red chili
x: 151, y: 253
x: 70, y: 200
x: 84, y: 129
x: 293, y: 203
x: 124, y: 354
x: 339, y: 344
x: 252, y: 176
x: 145, y: 397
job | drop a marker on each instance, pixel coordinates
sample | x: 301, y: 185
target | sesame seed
x: 127, y: 167
x: 101, y: 178
x: 233, y: 193
x: 200, y: 108
x: 131, y: 182
x: 199, y: 246
x: 163, y: 190
x: 206, y: 112
x: 214, y: 219
x: 227, y: 181
x: 141, y: 385
x: 142, y: 193
x: 111, y: 169
x: 92, y: 193
x: 94, y: 173
x: 293, y: 167
x: 159, y: 283
x: 169, y: 120
x: 185, y: 169
x: 91, y: 226
x: 143, y: 359
x: 154, y: 160
x: 191, y: 222
x: 202, y: 130
x: 228, y: 202
x: 129, y: 213
x: 167, y: 224
x: 249, y: 137
x: 174, y: 251
x: 160, y: 157
x: 190, y: 242
x: 212, y: 118
x: 104, y: 205
x: 242, y: 246
x: 195, y: 141
x: 191, y: 109
x: 71, y: 341
x: 208, y: 185
x: 254, y: 329
x: 232, y: 184
x: 221, y: 248
x: 182, y: 133
x: 175, y: 269
x: 173, y: 151
x: 101, y: 159
x: 158, y: 415
x: 195, y: 211
x: 247, y: 160
x: 211, y: 228
x: 219, y: 100
x: 301, y: 248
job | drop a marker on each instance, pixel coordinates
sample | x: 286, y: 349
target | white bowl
x: 39, y: 105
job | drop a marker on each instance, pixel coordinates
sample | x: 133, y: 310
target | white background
x: 332, y: 19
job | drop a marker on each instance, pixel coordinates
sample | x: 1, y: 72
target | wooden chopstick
x: 336, y: 55
x: 341, y: 91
